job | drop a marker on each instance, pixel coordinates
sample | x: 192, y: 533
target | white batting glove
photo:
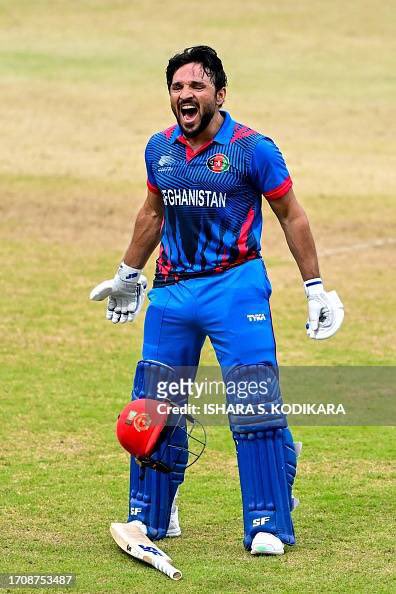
x: 126, y: 293
x: 325, y: 310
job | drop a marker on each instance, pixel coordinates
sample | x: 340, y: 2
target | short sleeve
x: 269, y: 171
x: 148, y: 156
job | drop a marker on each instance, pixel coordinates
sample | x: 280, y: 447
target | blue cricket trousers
x: 231, y: 308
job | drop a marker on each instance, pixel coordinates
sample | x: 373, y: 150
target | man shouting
x: 206, y: 176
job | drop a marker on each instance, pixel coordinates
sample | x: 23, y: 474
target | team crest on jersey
x: 218, y: 163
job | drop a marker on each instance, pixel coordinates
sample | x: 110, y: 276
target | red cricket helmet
x: 143, y: 425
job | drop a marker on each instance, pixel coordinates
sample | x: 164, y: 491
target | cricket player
x: 206, y: 176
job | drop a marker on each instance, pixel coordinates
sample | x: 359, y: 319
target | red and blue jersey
x: 212, y: 198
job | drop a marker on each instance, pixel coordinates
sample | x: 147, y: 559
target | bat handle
x: 167, y: 568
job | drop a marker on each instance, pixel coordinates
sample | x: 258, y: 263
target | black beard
x: 205, y: 121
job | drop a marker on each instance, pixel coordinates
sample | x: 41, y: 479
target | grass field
x: 82, y: 88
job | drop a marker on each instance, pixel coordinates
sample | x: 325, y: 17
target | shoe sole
x: 173, y: 533
x: 257, y: 552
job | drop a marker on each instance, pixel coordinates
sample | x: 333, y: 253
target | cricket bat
x: 131, y: 539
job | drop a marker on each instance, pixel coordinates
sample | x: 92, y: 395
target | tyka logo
x: 260, y: 317
x: 218, y: 163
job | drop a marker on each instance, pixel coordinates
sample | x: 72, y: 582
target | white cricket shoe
x: 173, y: 528
x: 265, y: 543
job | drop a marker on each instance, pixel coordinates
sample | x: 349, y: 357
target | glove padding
x: 325, y: 312
x: 126, y: 293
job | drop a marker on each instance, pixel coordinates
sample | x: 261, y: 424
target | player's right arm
x: 126, y: 291
x: 147, y: 231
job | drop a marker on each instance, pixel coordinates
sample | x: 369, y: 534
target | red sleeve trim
x: 279, y: 191
x: 153, y: 188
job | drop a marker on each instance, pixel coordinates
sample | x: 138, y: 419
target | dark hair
x: 204, y: 55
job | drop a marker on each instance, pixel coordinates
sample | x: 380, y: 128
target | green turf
x: 82, y: 90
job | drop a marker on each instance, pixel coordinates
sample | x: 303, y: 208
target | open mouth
x: 189, y: 113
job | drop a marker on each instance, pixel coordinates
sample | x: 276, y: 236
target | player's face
x: 194, y: 99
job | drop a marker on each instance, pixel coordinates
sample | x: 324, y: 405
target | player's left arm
x: 295, y: 225
x: 325, y: 310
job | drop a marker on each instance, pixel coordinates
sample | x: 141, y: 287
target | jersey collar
x: 223, y: 135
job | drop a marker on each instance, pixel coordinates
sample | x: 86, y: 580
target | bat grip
x: 167, y: 568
